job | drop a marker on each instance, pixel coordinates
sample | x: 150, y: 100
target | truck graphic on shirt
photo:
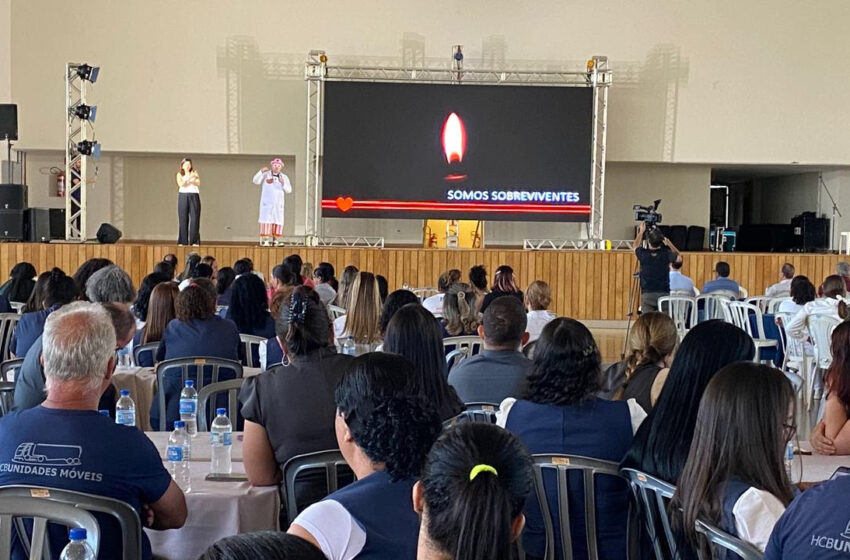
x: 48, y: 454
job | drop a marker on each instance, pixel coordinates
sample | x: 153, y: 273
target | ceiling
x: 728, y: 174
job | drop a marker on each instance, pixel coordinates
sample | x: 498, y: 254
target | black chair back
x: 194, y: 367
x: 330, y: 462
x: 651, y: 497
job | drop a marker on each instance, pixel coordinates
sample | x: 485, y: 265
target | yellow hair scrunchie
x: 478, y: 469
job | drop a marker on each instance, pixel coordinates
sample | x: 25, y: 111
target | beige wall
x: 5, y: 51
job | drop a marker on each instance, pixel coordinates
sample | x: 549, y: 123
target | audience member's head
x: 203, y: 271
x: 652, y: 340
x: 161, y: 310
x: 210, y: 261
x: 171, y: 259
x: 838, y: 374
x: 324, y: 273
x: 86, y: 270
x: 504, y: 324
x: 36, y: 300
x: 123, y: 321
x: 21, y: 282
x: 249, y: 307
x: 802, y: 290
x: 379, y: 421
x: 448, y: 278
x: 165, y: 268
x: 567, y: 366
x: 364, y: 309
x: 745, y: 419
x: 265, y: 545
x: 834, y: 287
x: 503, y: 281
x: 302, y: 326
x: 478, y: 278
x: 842, y: 269
x: 393, y: 303
x: 294, y: 264
x: 282, y: 276
x: 722, y: 269
x: 224, y: 279
x: 383, y: 287
x: 787, y: 271
x: 78, y: 352
x: 243, y: 266
x: 307, y: 270
x: 58, y: 289
x: 141, y: 305
x: 193, y: 259
x: 676, y: 265
x: 538, y: 296
x: 472, y: 493
x: 662, y: 441
x: 655, y: 238
x: 343, y: 293
x: 110, y: 284
x: 415, y: 334
x: 197, y: 301
x: 460, y: 309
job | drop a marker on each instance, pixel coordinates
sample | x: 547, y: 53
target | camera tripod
x: 634, y: 297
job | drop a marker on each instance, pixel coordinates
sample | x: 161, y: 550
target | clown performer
x: 275, y: 185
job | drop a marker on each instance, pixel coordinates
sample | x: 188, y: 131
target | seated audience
x: 165, y: 269
x: 334, y: 283
x: 842, y: 269
x: 210, y: 261
x: 363, y: 313
x: 652, y: 341
x: 538, y: 297
x: 86, y: 270
x: 243, y: 266
x: 661, y: 444
x: 197, y: 331
x: 58, y: 290
x: 783, y: 287
x: 478, y: 281
x: 116, y: 461
x: 323, y: 278
x: 342, y: 294
x: 832, y: 304
x: 29, y: 382
x: 734, y: 476
x: 20, y: 284
x: 394, y: 302
x: 249, y: 307
x: 383, y: 287
x: 224, y: 286
x: 559, y: 413
x: 110, y: 284
x: 434, y: 304
x: 271, y: 354
x: 499, y: 370
x: 679, y: 283
x: 193, y: 259
x: 722, y: 282
x: 414, y: 333
x: 36, y: 299
x: 802, y: 292
x: 460, y: 311
x: 384, y: 433
x: 265, y: 545
x: 161, y: 310
x: 471, y: 495
x: 503, y: 285
x: 307, y: 271
x: 291, y: 411
x: 171, y: 259
x: 142, y: 303
x: 837, y: 412
x: 201, y: 270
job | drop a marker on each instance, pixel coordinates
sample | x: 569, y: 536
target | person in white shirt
x: 833, y: 304
x: 783, y: 287
x: 538, y: 296
x: 188, y: 204
x: 679, y: 282
x: 802, y: 292
x: 434, y: 304
x: 275, y: 185
x: 734, y: 477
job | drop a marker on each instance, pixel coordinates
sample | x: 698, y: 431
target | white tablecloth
x: 200, y: 445
x: 217, y: 510
x: 817, y: 468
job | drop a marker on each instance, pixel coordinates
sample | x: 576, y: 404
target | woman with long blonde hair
x: 460, y: 311
x: 361, y: 321
x: 652, y: 341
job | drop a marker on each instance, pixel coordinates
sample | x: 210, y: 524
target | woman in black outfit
x: 504, y: 284
x: 20, y: 284
x: 249, y: 307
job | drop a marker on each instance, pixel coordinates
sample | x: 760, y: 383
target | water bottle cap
x: 104, y: 412
x: 125, y: 392
x: 190, y: 383
x: 179, y: 424
x: 78, y: 534
x: 221, y: 411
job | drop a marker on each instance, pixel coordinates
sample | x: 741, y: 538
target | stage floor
x: 586, y: 285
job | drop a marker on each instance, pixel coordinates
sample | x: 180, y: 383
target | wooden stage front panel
x: 585, y: 284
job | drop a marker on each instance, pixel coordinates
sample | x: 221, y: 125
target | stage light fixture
x: 87, y: 72
x: 88, y: 148
x: 323, y: 58
x: 86, y: 112
x: 591, y: 64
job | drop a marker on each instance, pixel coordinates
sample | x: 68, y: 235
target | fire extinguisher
x: 60, y: 183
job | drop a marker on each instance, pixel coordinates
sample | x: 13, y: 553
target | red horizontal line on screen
x: 457, y: 206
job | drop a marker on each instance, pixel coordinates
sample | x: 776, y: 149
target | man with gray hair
x: 110, y: 284
x: 64, y: 443
x: 841, y: 269
x: 783, y: 287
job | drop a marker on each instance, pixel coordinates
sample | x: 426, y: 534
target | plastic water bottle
x: 348, y: 347
x: 125, y: 409
x: 221, y: 443
x: 179, y: 452
x: 78, y: 548
x: 189, y: 407
x: 789, y: 460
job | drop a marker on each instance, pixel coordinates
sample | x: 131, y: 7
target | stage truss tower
x: 77, y: 165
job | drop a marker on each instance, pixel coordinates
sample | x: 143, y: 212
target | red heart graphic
x: 344, y: 204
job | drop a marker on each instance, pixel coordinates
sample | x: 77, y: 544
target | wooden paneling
x: 585, y: 284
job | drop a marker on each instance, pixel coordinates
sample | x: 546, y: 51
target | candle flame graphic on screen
x: 454, y: 138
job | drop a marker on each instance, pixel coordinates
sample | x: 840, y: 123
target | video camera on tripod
x: 648, y: 214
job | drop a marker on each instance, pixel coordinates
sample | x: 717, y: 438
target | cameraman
x: 654, y: 266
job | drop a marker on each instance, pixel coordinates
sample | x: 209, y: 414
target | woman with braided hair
x: 652, y: 341
x: 560, y: 413
x: 290, y: 411
x: 460, y: 311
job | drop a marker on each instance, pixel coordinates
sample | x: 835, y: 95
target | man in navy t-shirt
x: 64, y: 443
x: 816, y: 525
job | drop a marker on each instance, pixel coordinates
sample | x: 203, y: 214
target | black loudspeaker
x: 107, y: 233
x: 678, y: 236
x: 13, y: 196
x: 37, y: 225
x: 766, y: 238
x: 8, y: 122
x: 812, y: 232
x: 11, y: 225
x: 696, y: 239
x: 57, y: 223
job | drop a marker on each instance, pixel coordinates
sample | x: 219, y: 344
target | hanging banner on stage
x: 472, y: 152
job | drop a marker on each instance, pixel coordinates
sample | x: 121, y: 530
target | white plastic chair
x: 250, y: 341
x: 762, y: 302
x: 458, y: 348
x: 424, y: 293
x: 683, y: 311
x: 336, y: 311
x: 820, y: 330
x: 713, y: 305
x: 773, y: 305
x: 18, y: 306
x: 740, y: 313
x: 742, y: 293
